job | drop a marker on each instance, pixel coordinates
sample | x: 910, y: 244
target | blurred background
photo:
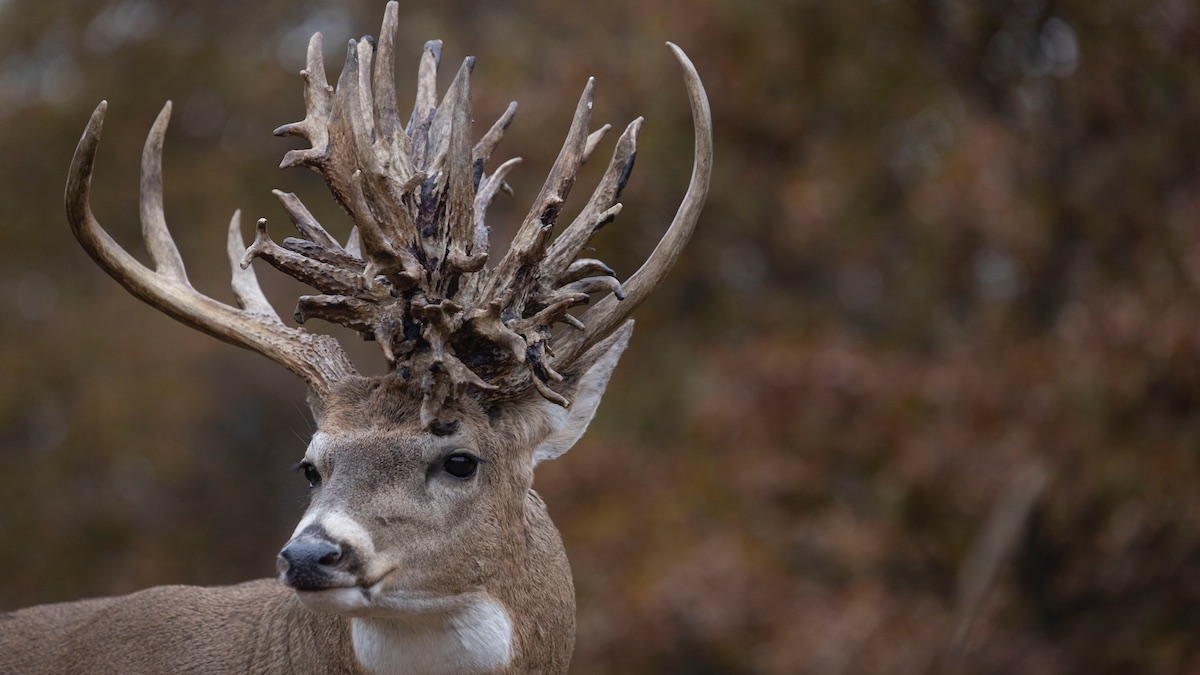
x: 923, y: 394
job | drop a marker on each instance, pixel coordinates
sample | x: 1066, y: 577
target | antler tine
x: 318, y: 359
x: 356, y: 168
x: 387, y: 117
x: 441, y: 125
x: 599, y: 210
x: 486, y: 145
x: 528, y: 246
x: 593, y: 141
x: 606, y: 315
x: 245, y: 283
x: 465, y: 253
x: 318, y: 103
x: 354, y: 243
x: 431, y: 57
x: 488, y: 187
x: 163, y: 251
x: 363, y: 109
x: 304, y: 221
x: 328, y: 277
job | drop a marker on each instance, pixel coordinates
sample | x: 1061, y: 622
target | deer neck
x: 525, y: 618
x: 474, y: 638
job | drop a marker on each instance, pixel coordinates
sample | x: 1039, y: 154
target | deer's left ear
x: 585, y: 384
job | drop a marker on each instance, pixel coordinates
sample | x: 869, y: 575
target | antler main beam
x: 605, y: 316
x: 318, y: 359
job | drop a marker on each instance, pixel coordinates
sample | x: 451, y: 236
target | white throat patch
x: 476, y: 638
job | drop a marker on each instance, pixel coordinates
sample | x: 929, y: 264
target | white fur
x: 346, y: 530
x: 475, y: 637
x: 317, y: 447
x: 308, y: 519
x: 339, y: 600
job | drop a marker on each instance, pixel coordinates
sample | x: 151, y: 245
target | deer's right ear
x: 585, y: 385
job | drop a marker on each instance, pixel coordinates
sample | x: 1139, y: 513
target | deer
x: 424, y: 548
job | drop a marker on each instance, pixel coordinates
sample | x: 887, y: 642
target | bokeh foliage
x: 946, y: 242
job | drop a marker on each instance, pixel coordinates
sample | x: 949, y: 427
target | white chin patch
x: 350, y: 600
x: 473, y: 637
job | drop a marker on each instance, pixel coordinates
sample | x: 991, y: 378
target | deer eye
x: 310, y: 474
x: 461, y: 465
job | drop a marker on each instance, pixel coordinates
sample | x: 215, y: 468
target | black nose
x: 312, y: 561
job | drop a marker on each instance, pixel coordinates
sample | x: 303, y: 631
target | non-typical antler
x: 318, y: 359
x: 418, y: 193
x: 413, y: 274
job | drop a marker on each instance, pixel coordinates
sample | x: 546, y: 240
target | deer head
x: 421, y: 478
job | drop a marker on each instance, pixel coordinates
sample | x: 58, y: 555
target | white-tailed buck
x: 424, y: 548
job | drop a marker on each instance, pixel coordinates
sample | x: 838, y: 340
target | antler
x: 413, y: 274
x: 603, y: 318
x: 418, y: 194
x: 318, y: 359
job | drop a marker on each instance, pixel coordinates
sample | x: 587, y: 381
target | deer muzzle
x: 314, y: 561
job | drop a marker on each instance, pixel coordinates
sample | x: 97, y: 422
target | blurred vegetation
x: 946, y: 242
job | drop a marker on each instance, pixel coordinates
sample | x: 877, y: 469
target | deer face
x: 400, y: 514
x: 406, y: 518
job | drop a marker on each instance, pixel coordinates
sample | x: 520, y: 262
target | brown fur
x: 260, y: 626
x: 490, y: 534
x: 255, y: 627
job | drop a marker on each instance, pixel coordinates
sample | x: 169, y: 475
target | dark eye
x: 311, y: 474
x: 461, y: 465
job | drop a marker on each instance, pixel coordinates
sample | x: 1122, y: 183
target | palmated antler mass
x: 414, y: 273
